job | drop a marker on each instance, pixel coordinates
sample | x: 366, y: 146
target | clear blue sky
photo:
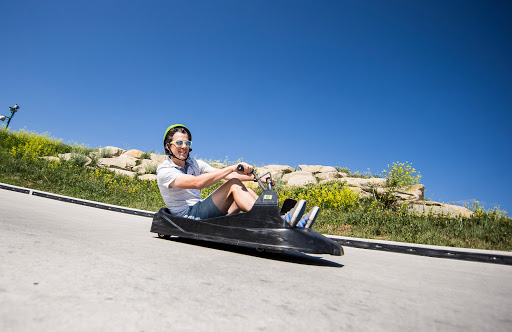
x: 357, y: 84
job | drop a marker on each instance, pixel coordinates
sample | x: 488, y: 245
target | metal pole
x: 13, y: 110
x: 9, y: 121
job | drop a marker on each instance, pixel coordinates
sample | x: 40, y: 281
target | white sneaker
x: 293, y: 216
x: 309, y: 218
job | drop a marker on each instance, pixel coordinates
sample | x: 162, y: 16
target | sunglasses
x: 180, y: 143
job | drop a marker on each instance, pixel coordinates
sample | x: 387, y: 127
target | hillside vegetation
x: 342, y: 211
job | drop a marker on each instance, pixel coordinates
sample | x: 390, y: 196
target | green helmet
x: 174, y: 126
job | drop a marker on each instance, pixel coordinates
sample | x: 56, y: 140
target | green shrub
x: 356, y: 174
x: 343, y: 169
x: 151, y: 169
x: 78, y: 159
x: 106, y: 153
x: 29, y: 145
x: 494, y: 214
x: 208, y: 191
x: 330, y: 195
x: 401, y: 175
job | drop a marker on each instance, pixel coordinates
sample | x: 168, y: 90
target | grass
x: 20, y: 165
x: 66, y: 178
x: 435, y: 230
x: 342, y: 211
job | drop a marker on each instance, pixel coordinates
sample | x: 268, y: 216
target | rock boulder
x: 365, y: 184
x: 123, y: 172
x: 137, y: 154
x: 276, y: 171
x: 329, y: 176
x: 145, y: 166
x: 435, y: 208
x: 317, y: 168
x: 299, y: 178
x: 159, y: 158
x: 149, y: 177
x: 112, y: 151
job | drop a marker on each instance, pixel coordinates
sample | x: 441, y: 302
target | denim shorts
x: 204, y: 210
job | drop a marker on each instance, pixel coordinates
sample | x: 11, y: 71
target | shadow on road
x: 287, y: 257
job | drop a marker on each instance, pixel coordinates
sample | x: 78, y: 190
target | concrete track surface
x: 66, y: 267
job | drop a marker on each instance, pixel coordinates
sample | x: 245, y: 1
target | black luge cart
x: 261, y: 228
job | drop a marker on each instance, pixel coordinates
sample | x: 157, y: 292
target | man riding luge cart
x: 233, y: 213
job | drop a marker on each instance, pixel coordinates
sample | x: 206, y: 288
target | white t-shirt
x: 178, y: 200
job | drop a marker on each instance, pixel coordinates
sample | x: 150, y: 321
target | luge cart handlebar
x: 257, y: 178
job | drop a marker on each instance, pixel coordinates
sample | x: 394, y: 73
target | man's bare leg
x: 233, y: 193
x: 235, y: 209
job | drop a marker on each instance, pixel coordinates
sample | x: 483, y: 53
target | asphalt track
x: 71, y: 267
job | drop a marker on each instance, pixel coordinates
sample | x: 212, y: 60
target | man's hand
x: 247, y: 168
x: 264, y: 179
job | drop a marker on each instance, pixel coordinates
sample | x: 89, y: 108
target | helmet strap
x: 172, y: 154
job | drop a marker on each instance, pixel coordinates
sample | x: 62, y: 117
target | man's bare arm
x: 210, y: 178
